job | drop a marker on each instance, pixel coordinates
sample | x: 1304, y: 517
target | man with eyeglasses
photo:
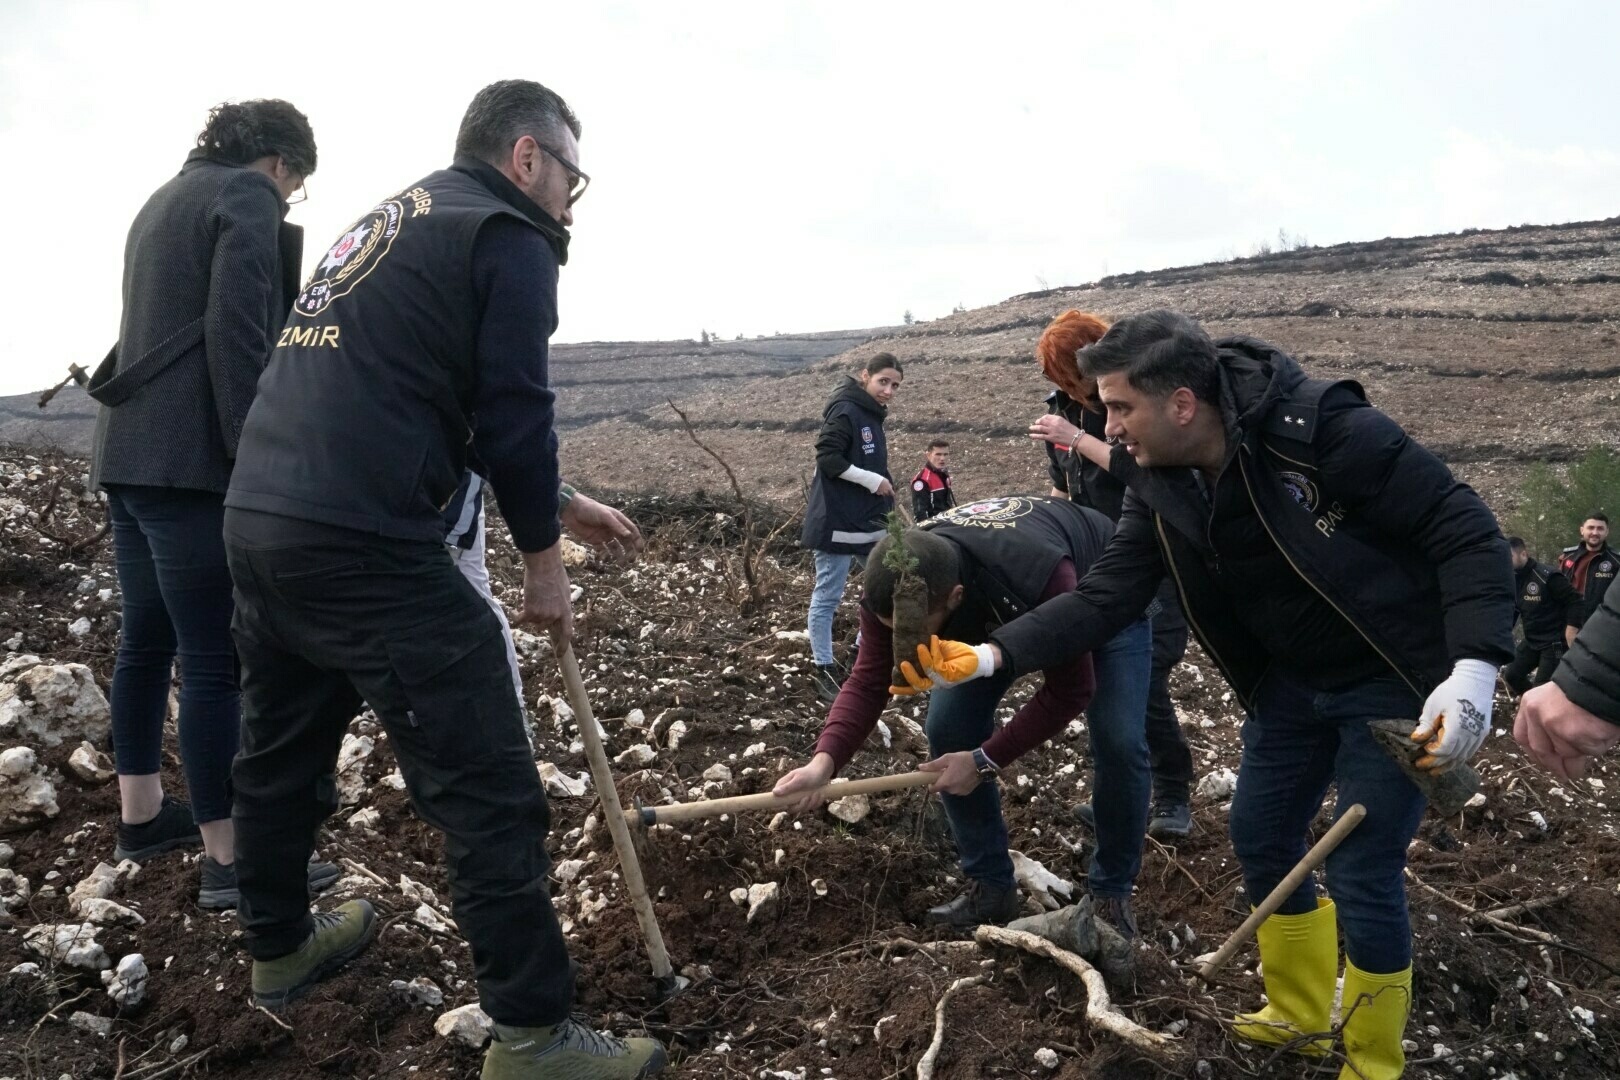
x: 416, y: 351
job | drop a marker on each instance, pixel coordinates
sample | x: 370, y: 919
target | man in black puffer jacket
x: 1337, y: 573
x: 1550, y: 610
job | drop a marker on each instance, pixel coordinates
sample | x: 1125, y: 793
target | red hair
x: 1066, y: 335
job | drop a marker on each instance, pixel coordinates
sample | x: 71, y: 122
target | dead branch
x: 925, y: 1067
x: 751, y: 560
x: 1513, y: 910
x: 1100, y: 1012
x: 74, y: 545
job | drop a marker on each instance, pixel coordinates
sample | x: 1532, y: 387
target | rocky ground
x: 702, y: 692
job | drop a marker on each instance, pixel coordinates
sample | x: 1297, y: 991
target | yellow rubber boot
x: 1299, y: 959
x: 1375, y: 1008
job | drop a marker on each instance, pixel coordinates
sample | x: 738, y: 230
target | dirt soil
x: 840, y: 980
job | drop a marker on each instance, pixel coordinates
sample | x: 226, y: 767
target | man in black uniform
x: 1337, y: 573
x: 419, y: 344
x: 1550, y: 612
x: 1591, y: 564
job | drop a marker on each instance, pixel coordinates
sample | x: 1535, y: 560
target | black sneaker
x: 173, y: 827
x: 977, y: 905
x: 828, y: 682
x: 219, y: 893
x: 1172, y: 819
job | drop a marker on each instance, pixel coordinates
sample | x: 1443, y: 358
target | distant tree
x: 1287, y: 241
x: 705, y: 337
x: 959, y: 308
x: 1552, y: 507
x: 908, y: 318
x: 739, y: 337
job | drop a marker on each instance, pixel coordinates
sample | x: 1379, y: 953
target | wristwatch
x: 981, y: 761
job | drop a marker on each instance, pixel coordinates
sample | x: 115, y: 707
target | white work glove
x: 1457, y: 716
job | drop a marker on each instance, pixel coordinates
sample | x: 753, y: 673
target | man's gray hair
x: 503, y: 112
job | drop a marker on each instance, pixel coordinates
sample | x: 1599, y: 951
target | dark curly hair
x: 242, y: 131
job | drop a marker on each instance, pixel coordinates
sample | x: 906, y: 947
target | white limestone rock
x: 90, y: 1023
x: 73, y: 944
x: 91, y: 765
x: 27, y: 797
x: 101, y: 882
x: 420, y: 991
x: 365, y: 820
x: 637, y: 756
x: 717, y: 773
x: 469, y: 1025
x: 14, y: 890
x: 560, y: 785
x: 54, y: 703
x: 1218, y: 785
x: 107, y: 913
x: 351, y: 767
x: 851, y: 808
x: 763, y: 899
x: 126, y: 984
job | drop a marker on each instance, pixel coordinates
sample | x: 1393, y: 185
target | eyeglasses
x: 298, y: 196
x: 581, y: 181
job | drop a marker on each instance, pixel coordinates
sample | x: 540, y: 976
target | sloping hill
x: 1495, y: 348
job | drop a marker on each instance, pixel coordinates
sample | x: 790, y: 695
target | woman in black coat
x: 849, y: 497
x: 210, y: 270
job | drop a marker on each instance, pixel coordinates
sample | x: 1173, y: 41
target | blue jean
x: 170, y: 553
x: 832, y: 571
x: 1296, y: 741
x: 963, y: 717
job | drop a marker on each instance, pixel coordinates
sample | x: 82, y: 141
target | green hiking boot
x: 339, y: 936
x: 568, y: 1051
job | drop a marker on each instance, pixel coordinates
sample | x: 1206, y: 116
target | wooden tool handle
x: 1285, y: 888
x: 654, y: 815
x: 623, y: 844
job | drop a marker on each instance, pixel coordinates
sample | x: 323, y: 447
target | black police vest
x: 1010, y: 547
x: 362, y: 414
x: 842, y: 517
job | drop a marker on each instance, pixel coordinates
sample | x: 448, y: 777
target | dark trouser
x: 1297, y: 741
x: 1527, y: 658
x: 963, y: 717
x: 176, y: 602
x: 322, y: 625
x: 1168, y: 753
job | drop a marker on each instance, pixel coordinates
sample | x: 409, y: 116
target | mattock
x: 623, y: 845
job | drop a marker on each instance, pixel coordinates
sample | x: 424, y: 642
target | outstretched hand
x: 602, y: 526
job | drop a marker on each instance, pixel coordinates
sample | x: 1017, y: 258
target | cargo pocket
x: 456, y: 686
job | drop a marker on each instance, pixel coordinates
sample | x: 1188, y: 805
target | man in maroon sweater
x: 983, y: 564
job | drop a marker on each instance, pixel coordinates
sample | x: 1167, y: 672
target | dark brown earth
x: 835, y: 982
x: 1498, y: 349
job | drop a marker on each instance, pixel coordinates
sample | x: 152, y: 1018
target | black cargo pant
x: 1527, y: 658
x: 1168, y: 754
x: 340, y: 617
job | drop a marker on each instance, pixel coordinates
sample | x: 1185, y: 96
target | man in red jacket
x: 983, y: 565
x: 931, y: 488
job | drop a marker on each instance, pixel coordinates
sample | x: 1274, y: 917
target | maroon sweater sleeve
x: 1064, y: 695
x: 866, y: 691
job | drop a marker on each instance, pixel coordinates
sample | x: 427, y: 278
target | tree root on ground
x: 925, y: 1067
x: 1100, y: 1012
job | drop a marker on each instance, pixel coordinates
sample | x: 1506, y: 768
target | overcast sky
x: 770, y: 166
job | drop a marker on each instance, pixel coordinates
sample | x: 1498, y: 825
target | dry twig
x: 1100, y: 1012
x: 751, y: 559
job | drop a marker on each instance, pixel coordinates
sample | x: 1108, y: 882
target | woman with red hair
x: 1078, y: 460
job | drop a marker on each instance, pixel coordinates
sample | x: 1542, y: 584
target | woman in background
x: 849, y: 497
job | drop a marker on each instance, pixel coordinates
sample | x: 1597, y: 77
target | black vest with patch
x: 362, y: 415
x: 1010, y: 547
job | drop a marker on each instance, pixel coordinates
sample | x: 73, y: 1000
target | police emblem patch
x: 1532, y: 589
x: 918, y: 486
x: 1606, y: 567
x: 1300, y: 489
x: 348, y: 261
x: 984, y: 514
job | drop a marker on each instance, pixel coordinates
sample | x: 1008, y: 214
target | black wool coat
x: 210, y: 271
